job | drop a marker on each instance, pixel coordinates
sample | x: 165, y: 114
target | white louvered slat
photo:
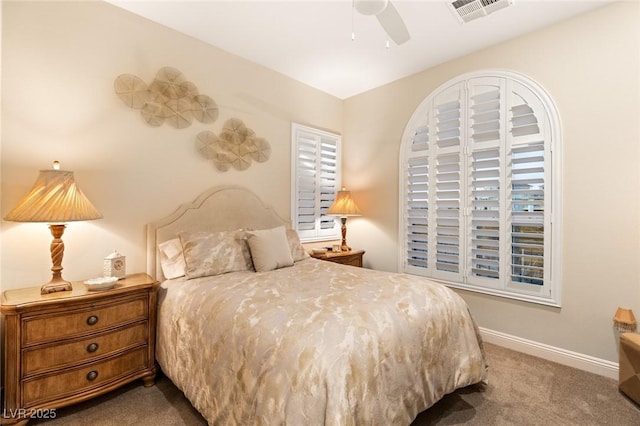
x: 485, y: 117
x: 420, y: 141
x: 448, y: 125
x: 524, y: 121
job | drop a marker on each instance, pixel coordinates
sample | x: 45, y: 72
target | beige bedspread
x: 315, y: 344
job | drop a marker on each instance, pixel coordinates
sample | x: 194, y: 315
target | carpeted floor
x: 522, y: 390
x: 525, y: 390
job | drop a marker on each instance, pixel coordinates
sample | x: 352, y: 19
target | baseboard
x: 551, y: 353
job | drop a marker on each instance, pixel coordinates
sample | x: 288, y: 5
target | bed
x: 298, y: 341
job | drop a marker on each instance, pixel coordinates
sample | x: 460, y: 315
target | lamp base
x: 54, y: 286
x: 57, y: 283
x: 344, y: 246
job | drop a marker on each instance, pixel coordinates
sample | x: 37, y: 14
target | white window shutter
x: 446, y: 190
x: 527, y: 214
x: 329, y: 185
x: 485, y: 171
x: 478, y: 180
x: 306, y: 177
x: 417, y: 201
x: 529, y: 193
x: 315, y: 181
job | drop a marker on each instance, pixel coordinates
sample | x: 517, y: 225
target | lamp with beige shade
x: 54, y: 199
x: 344, y: 206
x: 624, y: 320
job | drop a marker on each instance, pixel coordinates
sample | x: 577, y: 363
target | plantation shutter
x: 529, y: 193
x: 476, y: 188
x: 485, y: 200
x: 316, y: 179
x: 417, y: 196
x: 446, y: 196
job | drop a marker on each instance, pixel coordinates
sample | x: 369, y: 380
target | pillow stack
x: 200, y: 254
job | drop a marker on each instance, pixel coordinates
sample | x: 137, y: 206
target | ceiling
x: 311, y: 41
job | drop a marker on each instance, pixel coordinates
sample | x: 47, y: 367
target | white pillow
x: 269, y: 249
x: 171, y: 258
x: 214, y: 253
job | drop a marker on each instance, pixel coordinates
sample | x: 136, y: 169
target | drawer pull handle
x: 92, y: 347
x: 92, y: 320
x: 92, y: 375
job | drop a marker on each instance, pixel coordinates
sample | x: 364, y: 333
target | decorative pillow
x: 215, y: 253
x: 171, y: 258
x: 269, y: 249
x: 297, y: 251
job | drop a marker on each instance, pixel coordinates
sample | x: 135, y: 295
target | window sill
x: 501, y: 293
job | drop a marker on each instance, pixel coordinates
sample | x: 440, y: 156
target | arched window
x: 480, y: 188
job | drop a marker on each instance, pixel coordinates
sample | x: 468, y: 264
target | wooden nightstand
x: 66, y: 347
x: 353, y: 257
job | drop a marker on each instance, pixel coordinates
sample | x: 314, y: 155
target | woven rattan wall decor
x: 236, y: 146
x: 170, y: 98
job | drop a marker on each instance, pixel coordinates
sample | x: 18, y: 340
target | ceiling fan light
x: 370, y: 7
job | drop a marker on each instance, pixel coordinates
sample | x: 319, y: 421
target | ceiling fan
x: 388, y: 17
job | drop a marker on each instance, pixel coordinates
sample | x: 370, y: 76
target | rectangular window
x: 315, y: 180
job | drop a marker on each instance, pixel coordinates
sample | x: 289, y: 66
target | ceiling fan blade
x: 393, y: 24
x: 370, y: 7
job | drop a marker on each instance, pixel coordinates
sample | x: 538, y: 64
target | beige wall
x: 591, y: 67
x: 60, y: 60
x: 59, y: 64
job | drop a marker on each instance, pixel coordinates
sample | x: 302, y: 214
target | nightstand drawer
x: 80, y: 319
x: 59, y: 355
x: 68, y: 383
x: 353, y: 260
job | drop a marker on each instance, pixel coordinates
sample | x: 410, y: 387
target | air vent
x: 468, y: 10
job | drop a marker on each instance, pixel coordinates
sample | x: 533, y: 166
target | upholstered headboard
x: 218, y: 209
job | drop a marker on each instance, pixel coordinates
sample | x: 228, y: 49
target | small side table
x: 69, y: 346
x: 629, y: 372
x: 352, y: 257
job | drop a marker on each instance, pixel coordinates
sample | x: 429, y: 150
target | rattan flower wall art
x: 236, y: 146
x: 170, y: 98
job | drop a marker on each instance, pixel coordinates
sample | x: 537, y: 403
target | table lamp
x: 344, y: 206
x: 54, y: 199
x: 624, y: 321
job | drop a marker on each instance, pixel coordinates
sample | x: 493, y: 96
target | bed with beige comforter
x: 315, y: 344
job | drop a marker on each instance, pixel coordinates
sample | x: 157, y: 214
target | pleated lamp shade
x: 54, y: 198
x: 344, y: 205
x: 624, y: 320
